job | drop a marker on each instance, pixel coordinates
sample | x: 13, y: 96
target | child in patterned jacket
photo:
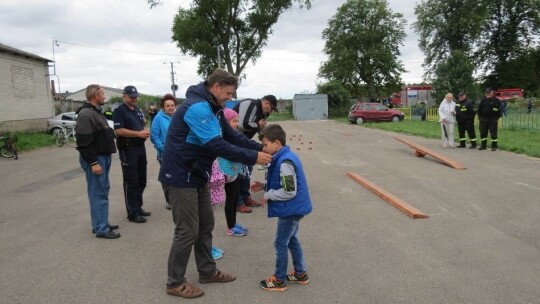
x: 217, y: 198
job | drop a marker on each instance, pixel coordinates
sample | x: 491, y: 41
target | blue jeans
x: 287, y: 239
x: 98, y: 193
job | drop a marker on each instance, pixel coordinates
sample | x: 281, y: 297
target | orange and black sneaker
x: 273, y: 284
x: 294, y: 277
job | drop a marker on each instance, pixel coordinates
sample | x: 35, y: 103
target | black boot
x: 473, y: 145
x: 483, y: 146
x: 493, y: 146
x: 461, y: 144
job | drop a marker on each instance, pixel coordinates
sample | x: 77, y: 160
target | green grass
x: 522, y: 141
x: 30, y: 141
x: 280, y: 116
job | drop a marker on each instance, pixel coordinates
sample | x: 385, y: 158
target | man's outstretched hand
x: 263, y: 158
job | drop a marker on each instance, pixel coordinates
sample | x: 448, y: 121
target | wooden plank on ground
x: 404, y: 207
x: 423, y: 151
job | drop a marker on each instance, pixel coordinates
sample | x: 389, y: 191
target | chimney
x: 53, y: 89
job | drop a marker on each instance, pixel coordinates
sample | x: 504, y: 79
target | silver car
x: 66, y: 120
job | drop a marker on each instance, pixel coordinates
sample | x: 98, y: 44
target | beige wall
x: 25, y: 92
x: 24, y: 125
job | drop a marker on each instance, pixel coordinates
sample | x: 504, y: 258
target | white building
x: 81, y: 94
x: 25, y: 93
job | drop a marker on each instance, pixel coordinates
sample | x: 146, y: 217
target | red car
x: 367, y: 111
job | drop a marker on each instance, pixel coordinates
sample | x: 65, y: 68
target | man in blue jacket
x: 198, y: 133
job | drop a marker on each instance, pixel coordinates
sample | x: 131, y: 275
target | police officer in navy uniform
x: 129, y: 126
x: 489, y: 112
x: 465, y: 120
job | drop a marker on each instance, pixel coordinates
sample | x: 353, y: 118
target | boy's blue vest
x: 298, y: 205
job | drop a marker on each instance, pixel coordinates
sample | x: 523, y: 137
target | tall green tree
x: 238, y: 29
x: 522, y: 72
x: 511, y: 28
x: 497, y: 36
x: 362, y: 43
x: 445, y: 26
x: 339, y: 99
x: 454, y: 75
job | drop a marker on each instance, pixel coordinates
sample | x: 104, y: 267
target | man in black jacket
x: 95, y: 142
x: 252, y: 114
x: 465, y: 120
x: 489, y: 112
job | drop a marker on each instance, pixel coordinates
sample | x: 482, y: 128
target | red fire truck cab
x: 413, y: 95
x: 505, y: 94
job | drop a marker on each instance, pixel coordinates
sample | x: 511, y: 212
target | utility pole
x: 174, y: 87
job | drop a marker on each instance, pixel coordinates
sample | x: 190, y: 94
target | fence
x: 514, y: 118
x: 61, y: 106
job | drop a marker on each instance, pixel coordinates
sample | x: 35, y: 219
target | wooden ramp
x: 422, y: 151
x: 409, y: 210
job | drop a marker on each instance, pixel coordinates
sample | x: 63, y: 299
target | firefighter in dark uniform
x: 465, y: 120
x: 131, y: 135
x: 489, y: 112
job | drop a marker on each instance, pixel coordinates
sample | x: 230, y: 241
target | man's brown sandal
x: 218, y: 276
x: 186, y: 290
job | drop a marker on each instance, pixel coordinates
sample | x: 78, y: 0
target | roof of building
x: 12, y: 50
x: 119, y: 91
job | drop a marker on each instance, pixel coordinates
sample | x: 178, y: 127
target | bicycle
x: 63, y: 137
x: 9, y: 149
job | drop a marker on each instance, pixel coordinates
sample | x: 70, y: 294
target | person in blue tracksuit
x: 198, y: 133
x: 160, y: 125
x: 287, y: 196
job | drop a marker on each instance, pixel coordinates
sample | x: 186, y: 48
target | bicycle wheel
x: 60, y: 138
x: 71, y: 140
x: 6, y: 152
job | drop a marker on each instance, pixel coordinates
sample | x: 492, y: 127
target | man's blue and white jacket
x: 198, y: 133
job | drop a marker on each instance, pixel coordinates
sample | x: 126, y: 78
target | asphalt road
x: 481, y: 243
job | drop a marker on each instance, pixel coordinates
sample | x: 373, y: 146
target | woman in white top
x: 447, y: 112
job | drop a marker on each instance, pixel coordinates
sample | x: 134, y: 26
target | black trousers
x: 466, y: 126
x: 490, y: 125
x: 232, y: 191
x: 134, y: 163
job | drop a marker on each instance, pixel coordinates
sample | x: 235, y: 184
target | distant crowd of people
x: 206, y: 155
x: 489, y: 111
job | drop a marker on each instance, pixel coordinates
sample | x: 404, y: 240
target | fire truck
x: 413, y: 95
x: 505, y: 94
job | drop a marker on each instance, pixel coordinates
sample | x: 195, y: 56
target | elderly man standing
x: 198, y: 133
x: 253, y: 114
x: 131, y: 134
x: 95, y: 142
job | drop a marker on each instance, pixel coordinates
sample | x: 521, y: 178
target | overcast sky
x: 123, y: 42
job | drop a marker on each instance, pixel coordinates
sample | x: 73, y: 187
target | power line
x: 134, y: 20
x: 126, y: 21
x: 115, y: 50
x: 96, y: 12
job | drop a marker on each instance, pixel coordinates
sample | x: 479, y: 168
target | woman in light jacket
x: 447, y: 112
x: 160, y: 125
